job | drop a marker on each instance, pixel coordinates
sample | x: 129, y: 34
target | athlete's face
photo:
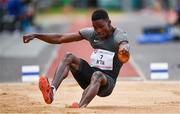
x: 102, y: 27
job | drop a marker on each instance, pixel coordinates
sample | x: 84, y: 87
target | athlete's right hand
x: 28, y: 38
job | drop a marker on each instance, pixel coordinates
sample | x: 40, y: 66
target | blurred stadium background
x: 67, y: 15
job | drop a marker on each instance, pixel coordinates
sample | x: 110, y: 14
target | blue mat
x: 155, y: 35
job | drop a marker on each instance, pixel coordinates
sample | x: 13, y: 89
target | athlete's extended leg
x: 98, y: 79
x: 63, y: 69
x: 60, y: 74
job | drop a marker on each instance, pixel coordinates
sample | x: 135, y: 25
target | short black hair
x: 99, y: 14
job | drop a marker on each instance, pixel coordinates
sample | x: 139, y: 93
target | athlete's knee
x: 98, y: 73
x: 68, y: 55
x: 68, y: 58
x: 97, y: 76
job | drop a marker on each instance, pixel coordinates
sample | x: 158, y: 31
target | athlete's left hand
x: 123, y: 55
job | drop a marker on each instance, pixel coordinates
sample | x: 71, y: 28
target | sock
x: 54, y: 89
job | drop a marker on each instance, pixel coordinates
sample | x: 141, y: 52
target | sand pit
x: 127, y: 97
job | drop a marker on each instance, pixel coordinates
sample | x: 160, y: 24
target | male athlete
x: 111, y: 50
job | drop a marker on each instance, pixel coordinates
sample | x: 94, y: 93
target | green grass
x: 59, y: 10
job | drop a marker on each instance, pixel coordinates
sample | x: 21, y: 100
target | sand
x: 128, y: 97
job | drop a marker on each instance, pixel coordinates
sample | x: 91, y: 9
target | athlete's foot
x: 46, y: 90
x: 75, y: 105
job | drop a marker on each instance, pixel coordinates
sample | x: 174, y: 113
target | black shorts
x: 83, y: 77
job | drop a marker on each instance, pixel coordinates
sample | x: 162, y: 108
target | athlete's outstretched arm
x: 53, y: 38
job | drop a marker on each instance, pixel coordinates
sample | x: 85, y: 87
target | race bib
x: 102, y: 59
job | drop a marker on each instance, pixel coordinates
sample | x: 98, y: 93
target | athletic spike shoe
x: 46, y: 90
x: 75, y: 105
